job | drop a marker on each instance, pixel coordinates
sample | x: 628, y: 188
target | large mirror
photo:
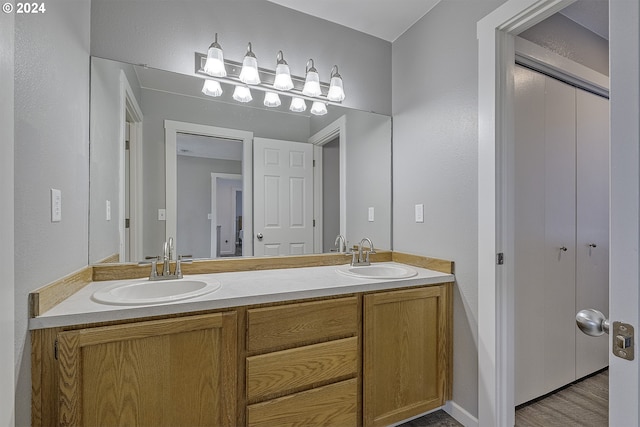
x: 224, y: 178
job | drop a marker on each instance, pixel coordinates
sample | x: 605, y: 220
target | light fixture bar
x: 266, y: 77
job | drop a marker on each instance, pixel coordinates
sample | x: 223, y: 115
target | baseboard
x: 460, y: 414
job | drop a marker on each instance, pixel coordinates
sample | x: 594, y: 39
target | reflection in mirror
x: 203, y: 170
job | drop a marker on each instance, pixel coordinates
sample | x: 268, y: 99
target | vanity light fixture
x: 312, y: 81
x: 336, y: 90
x: 297, y: 105
x: 318, y: 108
x: 215, y: 60
x: 283, y: 74
x: 271, y: 99
x: 212, y: 88
x: 242, y: 94
x: 249, y: 73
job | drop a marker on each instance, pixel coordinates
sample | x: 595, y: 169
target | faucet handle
x: 179, y: 261
x: 154, y: 266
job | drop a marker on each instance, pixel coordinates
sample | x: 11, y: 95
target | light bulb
x: 318, y: 108
x: 215, y: 60
x: 297, y: 105
x: 312, y: 81
x: 249, y: 73
x: 283, y: 74
x: 212, y: 88
x: 271, y: 99
x: 242, y: 94
x: 336, y: 90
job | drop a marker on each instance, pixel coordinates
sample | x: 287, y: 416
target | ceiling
x: 389, y: 19
x: 385, y: 19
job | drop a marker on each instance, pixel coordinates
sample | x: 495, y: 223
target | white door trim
x: 214, y: 209
x: 496, y: 58
x: 172, y: 128
x: 337, y: 128
x: 129, y: 107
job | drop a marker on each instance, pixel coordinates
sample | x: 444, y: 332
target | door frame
x: 171, y: 129
x: 337, y: 128
x: 495, y: 201
x: 214, y: 212
x: 130, y: 112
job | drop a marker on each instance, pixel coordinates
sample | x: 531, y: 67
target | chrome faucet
x: 340, y: 244
x: 362, y: 257
x: 168, y: 252
x: 166, y: 258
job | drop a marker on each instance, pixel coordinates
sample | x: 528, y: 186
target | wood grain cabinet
x: 407, y: 353
x: 157, y: 373
x: 303, y: 364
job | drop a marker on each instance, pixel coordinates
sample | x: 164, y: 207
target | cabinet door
x: 407, y: 346
x: 169, y: 372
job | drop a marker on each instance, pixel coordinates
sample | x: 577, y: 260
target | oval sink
x: 153, y: 292
x: 378, y: 271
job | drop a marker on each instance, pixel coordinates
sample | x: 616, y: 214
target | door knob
x: 592, y: 322
x: 563, y: 248
x: 259, y: 236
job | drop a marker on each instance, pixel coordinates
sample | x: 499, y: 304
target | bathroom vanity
x: 295, y: 346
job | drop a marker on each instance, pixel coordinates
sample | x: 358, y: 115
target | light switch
x: 162, y: 214
x: 420, y: 213
x: 371, y: 214
x: 56, y: 205
x: 108, y: 213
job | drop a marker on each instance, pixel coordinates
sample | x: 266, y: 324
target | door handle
x: 259, y: 236
x: 592, y: 322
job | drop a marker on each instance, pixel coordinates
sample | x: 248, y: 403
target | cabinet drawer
x: 331, y: 405
x: 298, y: 368
x: 294, y: 324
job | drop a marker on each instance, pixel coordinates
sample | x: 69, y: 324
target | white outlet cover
x: 371, y: 214
x: 420, y: 213
x: 162, y: 214
x: 56, y: 205
x: 108, y: 213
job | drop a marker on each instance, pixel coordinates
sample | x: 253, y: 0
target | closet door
x: 592, y: 262
x: 545, y: 168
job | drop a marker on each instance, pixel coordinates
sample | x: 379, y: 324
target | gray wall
x: 563, y: 36
x: 51, y: 151
x: 165, y: 35
x: 435, y: 156
x: 105, y: 155
x: 7, y: 320
x: 194, y: 202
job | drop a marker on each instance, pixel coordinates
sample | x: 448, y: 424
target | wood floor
x: 584, y: 403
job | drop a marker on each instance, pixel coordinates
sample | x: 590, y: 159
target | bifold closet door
x: 592, y: 244
x: 545, y: 224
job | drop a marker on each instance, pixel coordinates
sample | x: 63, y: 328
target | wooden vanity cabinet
x: 407, y: 353
x: 303, y: 364
x: 170, y: 372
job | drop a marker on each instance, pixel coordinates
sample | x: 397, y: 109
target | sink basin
x: 154, y: 292
x: 378, y: 271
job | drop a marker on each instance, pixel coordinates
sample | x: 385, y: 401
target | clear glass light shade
x: 242, y: 94
x: 212, y: 88
x: 336, y: 91
x: 283, y: 78
x: 298, y: 105
x: 318, y: 108
x: 215, y: 63
x: 271, y: 99
x: 312, y: 84
x: 249, y: 73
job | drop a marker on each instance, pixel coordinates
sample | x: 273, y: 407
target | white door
x: 624, y: 295
x: 283, y: 197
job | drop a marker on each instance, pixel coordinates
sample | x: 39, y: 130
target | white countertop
x: 238, y: 289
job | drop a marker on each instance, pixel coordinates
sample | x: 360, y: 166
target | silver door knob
x: 592, y: 322
x: 259, y: 236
